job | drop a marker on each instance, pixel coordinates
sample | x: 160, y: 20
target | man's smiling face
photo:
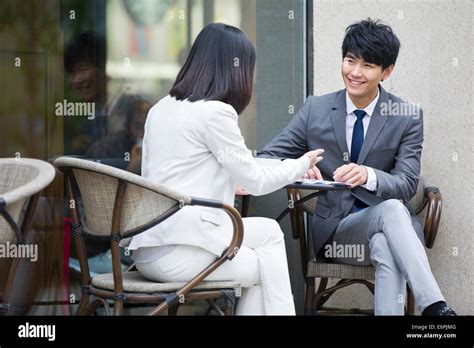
x: 362, y: 78
x: 86, y: 79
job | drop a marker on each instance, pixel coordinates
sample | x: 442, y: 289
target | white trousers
x: 260, y: 266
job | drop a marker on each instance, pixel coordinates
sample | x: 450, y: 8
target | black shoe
x: 447, y: 312
x: 439, y: 309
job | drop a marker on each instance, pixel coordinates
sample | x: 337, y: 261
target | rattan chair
x: 429, y: 197
x: 21, y: 181
x: 119, y: 205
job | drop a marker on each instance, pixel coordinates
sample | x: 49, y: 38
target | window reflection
x: 122, y: 149
x: 137, y: 56
x: 127, y: 65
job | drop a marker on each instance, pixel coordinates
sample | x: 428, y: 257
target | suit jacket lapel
x: 338, y: 119
x: 376, y: 124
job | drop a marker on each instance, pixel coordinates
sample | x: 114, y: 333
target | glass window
x: 81, y: 76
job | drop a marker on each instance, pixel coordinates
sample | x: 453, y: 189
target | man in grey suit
x: 373, y: 141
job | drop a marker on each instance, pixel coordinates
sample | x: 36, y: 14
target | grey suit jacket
x: 392, y: 147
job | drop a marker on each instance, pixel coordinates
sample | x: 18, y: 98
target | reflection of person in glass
x: 186, y: 135
x: 84, y: 61
x: 123, y: 149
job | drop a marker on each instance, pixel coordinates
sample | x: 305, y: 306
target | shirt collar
x: 369, y: 109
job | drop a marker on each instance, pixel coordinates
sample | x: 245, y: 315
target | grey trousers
x: 383, y: 236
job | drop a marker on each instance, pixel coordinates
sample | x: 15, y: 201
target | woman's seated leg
x: 260, y: 266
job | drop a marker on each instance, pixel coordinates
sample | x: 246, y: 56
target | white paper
x: 323, y: 182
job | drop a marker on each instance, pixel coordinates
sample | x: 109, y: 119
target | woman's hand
x: 313, y: 173
x: 240, y: 191
x: 314, y: 157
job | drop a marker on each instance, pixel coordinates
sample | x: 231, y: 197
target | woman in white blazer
x: 193, y: 145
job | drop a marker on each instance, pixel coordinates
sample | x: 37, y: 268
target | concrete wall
x: 435, y: 69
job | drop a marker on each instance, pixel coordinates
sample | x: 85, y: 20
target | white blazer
x: 196, y: 148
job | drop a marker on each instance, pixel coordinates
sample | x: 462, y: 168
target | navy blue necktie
x: 357, y: 135
x: 357, y: 140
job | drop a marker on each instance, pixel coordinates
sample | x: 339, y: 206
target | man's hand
x: 313, y: 173
x: 352, y: 174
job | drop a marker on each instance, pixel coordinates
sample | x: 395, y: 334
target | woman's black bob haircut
x: 372, y: 41
x: 219, y: 67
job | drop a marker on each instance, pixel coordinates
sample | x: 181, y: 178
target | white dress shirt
x: 351, y: 119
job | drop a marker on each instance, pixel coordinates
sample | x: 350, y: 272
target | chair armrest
x: 228, y: 254
x: 433, y: 214
x: 238, y: 226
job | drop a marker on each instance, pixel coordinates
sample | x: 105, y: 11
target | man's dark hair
x: 219, y: 67
x: 372, y: 41
x: 88, y: 47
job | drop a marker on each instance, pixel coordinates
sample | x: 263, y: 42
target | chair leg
x: 309, y: 300
x: 410, y: 302
x: 92, y: 308
x: 5, y: 298
x: 214, y: 307
x: 118, y: 307
x: 4, y: 308
x: 83, y: 304
x: 173, y: 310
x: 229, y: 302
x: 321, y: 295
x: 229, y: 311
